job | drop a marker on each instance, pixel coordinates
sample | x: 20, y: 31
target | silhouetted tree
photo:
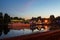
x: 52, y: 19
x: 39, y: 17
x: 58, y: 20
x: 11, y: 18
x: 53, y: 23
x: 19, y: 18
x: 6, y: 21
x: 1, y: 23
x: 33, y: 18
x: 16, y: 18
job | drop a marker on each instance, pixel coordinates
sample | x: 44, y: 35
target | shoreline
x: 49, y: 35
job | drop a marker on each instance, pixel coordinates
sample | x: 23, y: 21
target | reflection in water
x: 14, y: 33
x: 46, y: 28
x: 42, y: 27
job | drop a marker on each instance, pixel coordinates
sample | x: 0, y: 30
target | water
x: 14, y: 33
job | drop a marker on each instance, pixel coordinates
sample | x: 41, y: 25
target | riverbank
x: 49, y: 35
x: 18, y: 26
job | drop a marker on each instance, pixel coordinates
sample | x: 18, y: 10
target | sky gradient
x: 30, y: 8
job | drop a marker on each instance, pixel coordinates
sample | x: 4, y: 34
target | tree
x: 33, y: 19
x: 58, y: 20
x: 16, y: 18
x: 19, y: 18
x: 1, y: 23
x: 6, y: 22
x: 52, y: 19
x: 11, y: 18
x: 53, y: 22
x: 39, y: 17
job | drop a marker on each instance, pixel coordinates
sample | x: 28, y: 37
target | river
x: 13, y: 33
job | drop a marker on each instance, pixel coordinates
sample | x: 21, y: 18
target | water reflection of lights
x: 42, y: 28
x: 36, y: 30
x: 46, y: 28
x: 14, y: 33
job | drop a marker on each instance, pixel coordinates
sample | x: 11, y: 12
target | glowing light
x: 46, y: 27
x: 46, y: 21
x: 42, y: 29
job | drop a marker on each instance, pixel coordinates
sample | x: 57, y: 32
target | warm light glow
x: 46, y: 21
x: 46, y: 28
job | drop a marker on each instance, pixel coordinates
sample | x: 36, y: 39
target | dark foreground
x: 50, y: 35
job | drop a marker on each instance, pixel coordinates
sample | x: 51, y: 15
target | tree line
x: 4, y: 20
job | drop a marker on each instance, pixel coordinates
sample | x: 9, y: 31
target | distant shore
x: 19, y: 26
